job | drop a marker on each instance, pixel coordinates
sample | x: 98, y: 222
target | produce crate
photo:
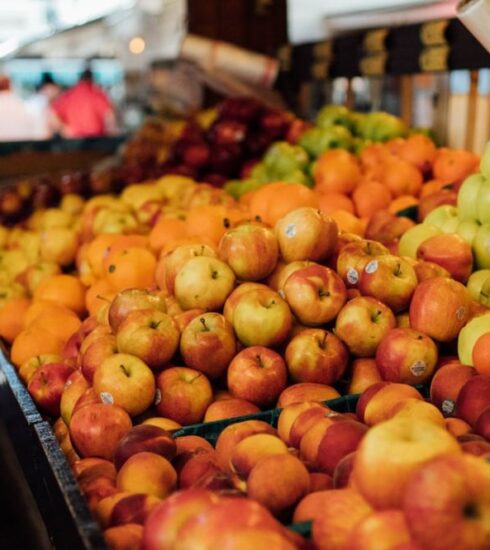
x: 62, y: 507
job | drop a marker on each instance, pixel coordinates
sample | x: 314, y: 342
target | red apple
x: 47, y: 384
x: 208, y: 344
x: 76, y: 384
x: 150, y: 335
x: 97, y: 429
x: 364, y: 373
x: 94, y: 355
x: 407, y: 356
x: 315, y: 294
x: 446, y: 385
x: 440, y: 308
x: 258, y: 375
x: 306, y: 234
x: 449, y: 251
x: 234, y: 298
x: 385, y: 530
x: 447, y: 503
x: 428, y: 270
x: 362, y: 323
x: 473, y: 398
x: 316, y: 355
x: 389, y: 279
x: 229, y: 408
x: 306, y: 391
x: 185, y: 394
x: 250, y: 250
x: 131, y: 299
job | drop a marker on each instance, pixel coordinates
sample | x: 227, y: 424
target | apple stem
x: 100, y: 297
x: 195, y: 377
x: 125, y: 370
x: 226, y: 223
x: 203, y: 322
x: 259, y: 361
x: 398, y: 269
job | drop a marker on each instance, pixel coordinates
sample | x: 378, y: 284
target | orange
x: 454, y: 165
x: 60, y: 321
x: 131, y: 268
x: 121, y: 243
x: 395, y: 145
x: 401, y: 177
x: 39, y: 307
x: 337, y: 171
x: 246, y: 198
x: 418, y: 150
x: 64, y: 289
x: 401, y: 203
x: 33, y: 341
x: 210, y: 221
x: 369, y: 197
x: 373, y: 155
x: 275, y: 200
x: 330, y: 202
x: 100, y: 293
x: 481, y: 354
x: 348, y: 223
x: 432, y: 186
x: 164, y: 231
x: 97, y: 250
x: 12, y: 318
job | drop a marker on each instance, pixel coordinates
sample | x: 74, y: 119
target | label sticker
x: 352, y: 276
x: 290, y: 230
x: 460, y: 313
x: 371, y: 267
x: 418, y: 368
x: 158, y: 396
x: 68, y: 383
x: 106, y: 398
x: 448, y: 406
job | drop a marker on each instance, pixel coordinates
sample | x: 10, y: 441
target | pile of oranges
x: 392, y: 176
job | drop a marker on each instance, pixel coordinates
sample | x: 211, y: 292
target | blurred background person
x: 85, y: 110
x: 39, y: 105
x: 16, y: 122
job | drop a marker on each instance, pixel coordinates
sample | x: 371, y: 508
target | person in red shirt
x: 85, y: 110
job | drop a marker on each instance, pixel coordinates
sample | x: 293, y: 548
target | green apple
x: 440, y: 215
x: 485, y: 161
x: 334, y: 114
x: 317, y: 140
x: 467, y: 230
x: 475, y: 282
x: 469, y: 335
x: 483, y: 201
x: 414, y: 237
x: 282, y: 158
x: 380, y: 126
x: 481, y: 247
x: 467, y: 197
x: 484, y: 297
x: 450, y: 226
x: 260, y: 173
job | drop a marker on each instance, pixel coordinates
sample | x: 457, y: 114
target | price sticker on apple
x: 418, y: 368
x: 290, y: 231
x: 352, y: 276
x: 448, y: 406
x: 106, y: 398
x: 371, y: 267
x: 158, y: 397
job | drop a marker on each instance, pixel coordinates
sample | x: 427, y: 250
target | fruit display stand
x: 63, y: 509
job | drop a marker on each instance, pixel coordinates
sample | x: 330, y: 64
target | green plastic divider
x: 303, y: 528
x: 411, y: 212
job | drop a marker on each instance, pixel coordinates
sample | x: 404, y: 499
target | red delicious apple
x: 75, y: 385
x: 446, y: 385
x: 353, y: 258
x: 208, y: 344
x: 473, y: 398
x: 315, y: 294
x: 362, y: 323
x: 258, y: 375
x: 94, y: 355
x: 316, y: 355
